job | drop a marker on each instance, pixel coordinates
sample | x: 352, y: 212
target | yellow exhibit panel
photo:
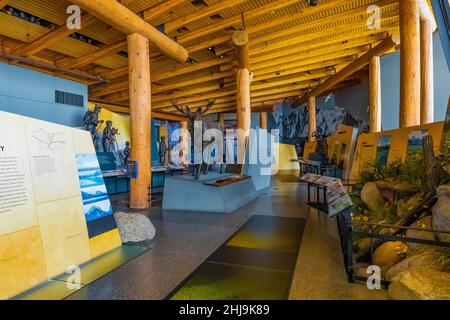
x: 341, y: 147
x: 51, y: 151
x: 16, y: 191
x: 64, y: 234
x: 395, y: 140
x: 22, y: 262
x: 44, y: 219
x: 287, y: 157
x: 105, y: 242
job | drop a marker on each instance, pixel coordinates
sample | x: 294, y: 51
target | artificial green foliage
x: 359, y: 207
x: 411, y: 171
x: 370, y: 172
x: 389, y: 214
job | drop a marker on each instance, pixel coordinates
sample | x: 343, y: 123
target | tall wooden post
x: 140, y: 117
x: 409, y: 63
x: 426, y: 73
x: 311, y: 118
x: 243, y: 106
x: 263, y: 120
x: 375, y: 94
x: 184, y: 142
x: 222, y: 119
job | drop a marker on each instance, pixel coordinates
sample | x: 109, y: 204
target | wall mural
x: 293, y: 123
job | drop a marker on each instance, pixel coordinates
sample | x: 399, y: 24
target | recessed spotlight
x: 313, y: 3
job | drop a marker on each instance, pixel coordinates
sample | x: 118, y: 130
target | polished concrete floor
x: 185, y: 240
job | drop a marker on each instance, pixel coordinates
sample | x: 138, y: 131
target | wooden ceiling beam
x: 221, y: 110
x: 342, y: 32
x: 126, y: 3
x: 267, y: 46
x: 298, y: 15
x: 305, y: 57
x: 73, y: 63
x: 196, y: 80
x: 198, y: 101
x: 338, y: 43
x: 264, y: 108
x: 328, y: 22
x: 200, y: 14
x: 4, y: 3
x: 162, y: 8
x: 202, y: 104
x: 190, y: 68
x: 262, y: 74
x: 294, y: 83
x: 56, y: 70
x: 51, y: 37
x: 236, y: 20
x: 387, y: 44
x: 290, y: 79
x: 121, y: 85
x: 123, y: 19
x: 215, y: 88
x: 194, y: 98
x: 263, y: 68
x: 304, y: 68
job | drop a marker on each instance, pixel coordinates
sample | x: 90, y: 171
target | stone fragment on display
x: 420, y: 284
x: 134, y: 227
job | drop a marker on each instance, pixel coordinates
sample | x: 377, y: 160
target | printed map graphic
x: 49, y: 140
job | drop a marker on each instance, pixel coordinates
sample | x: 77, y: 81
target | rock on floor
x: 134, y: 227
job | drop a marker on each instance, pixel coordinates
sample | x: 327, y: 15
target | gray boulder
x: 428, y: 259
x: 395, y: 190
x: 441, y: 212
x: 372, y: 197
x: 424, y: 223
x: 420, y: 284
x: 134, y: 227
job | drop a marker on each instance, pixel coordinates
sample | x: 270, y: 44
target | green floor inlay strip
x: 257, y: 263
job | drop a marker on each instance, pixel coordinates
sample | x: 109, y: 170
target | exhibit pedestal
x: 185, y: 193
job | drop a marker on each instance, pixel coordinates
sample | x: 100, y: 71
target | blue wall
x: 390, y: 86
x: 31, y: 93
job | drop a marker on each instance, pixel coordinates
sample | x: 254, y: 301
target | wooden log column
x: 243, y: 105
x: 426, y: 73
x: 312, y: 126
x: 375, y: 94
x: 409, y: 63
x: 184, y: 142
x: 140, y: 117
x: 263, y: 120
x: 222, y: 119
